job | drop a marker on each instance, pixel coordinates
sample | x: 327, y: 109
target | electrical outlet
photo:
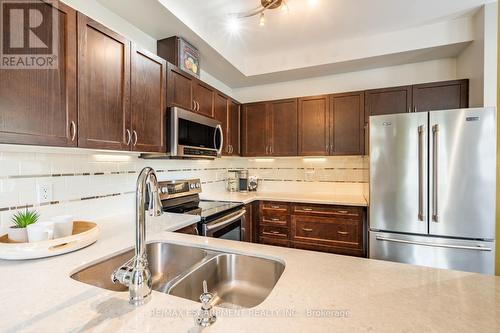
x: 44, y: 193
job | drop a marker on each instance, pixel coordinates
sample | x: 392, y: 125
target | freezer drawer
x: 463, y: 255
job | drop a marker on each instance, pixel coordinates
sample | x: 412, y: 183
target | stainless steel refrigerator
x: 433, y: 189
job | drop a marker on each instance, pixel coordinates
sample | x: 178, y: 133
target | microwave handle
x: 219, y: 149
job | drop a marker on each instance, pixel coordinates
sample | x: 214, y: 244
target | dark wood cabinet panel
x: 179, y: 89
x: 148, y: 107
x: 347, y: 124
x: 234, y: 127
x: 103, y: 86
x: 314, y: 129
x: 274, y: 241
x: 441, y: 96
x: 221, y: 113
x: 248, y: 227
x: 203, y: 97
x: 189, y: 230
x: 255, y: 126
x: 284, y: 128
x: 39, y: 106
x: 388, y: 101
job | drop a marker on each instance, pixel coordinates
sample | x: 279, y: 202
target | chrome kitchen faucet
x: 135, y: 273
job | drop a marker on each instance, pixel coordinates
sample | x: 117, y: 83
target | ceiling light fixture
x: 264, y: 5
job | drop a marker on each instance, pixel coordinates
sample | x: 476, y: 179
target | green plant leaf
x: 23, y: 219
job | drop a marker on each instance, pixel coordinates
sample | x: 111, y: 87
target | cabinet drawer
x: 328, y: 249
x: 341, y: 211
x: 274, y: 241
x: 275, y: 218
x: 274, y: 206
x: 271, y: 231
x: 327, y: 231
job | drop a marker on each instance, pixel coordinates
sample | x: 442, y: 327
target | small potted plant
x: 18, y: 232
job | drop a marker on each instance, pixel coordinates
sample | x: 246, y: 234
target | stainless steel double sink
x: 237, y: 281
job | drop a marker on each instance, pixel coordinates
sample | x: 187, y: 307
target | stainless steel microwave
x: 193, y: 136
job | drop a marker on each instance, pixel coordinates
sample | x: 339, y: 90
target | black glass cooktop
x: 208, y: 210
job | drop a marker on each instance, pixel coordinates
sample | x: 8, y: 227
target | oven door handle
x: 222, y: 222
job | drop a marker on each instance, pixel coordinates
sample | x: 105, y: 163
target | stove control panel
x: 179, y: 188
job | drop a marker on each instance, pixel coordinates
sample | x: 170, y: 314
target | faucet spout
x: 135, y: 273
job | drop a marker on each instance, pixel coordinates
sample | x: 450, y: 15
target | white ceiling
x: 239, y: 58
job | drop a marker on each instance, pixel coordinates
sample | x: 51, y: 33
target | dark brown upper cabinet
x: 388, y: 101
x: 203, y: 98
x: 441, y: 96
x: 179, y: 89
x: 227, y: 112
x: 148, y: 105
x: 283, y: 128
x: 255, y: 130
x: 221, y: 113
x: 270, y: 128
x: 347, y: 124
x: 39, y: 106
x: 234, y: 128
x: 314, y: 126
x: 103, y: 87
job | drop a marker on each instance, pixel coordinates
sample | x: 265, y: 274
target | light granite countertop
x: 317, y: 292
x: 313, y: 198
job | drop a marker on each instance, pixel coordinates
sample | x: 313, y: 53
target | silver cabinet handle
x: 449, y: 246
x: 343, y: 212
x: 72, y: 130
x: 327, y: 148
x: 421, y: 173
x: 435, y: 170
x: 232, y: 149
x: 193, y: 105
x: 135, y: 137
x: 307, y: 229
x: 415, y: 109
x: 409, y: 110
x: 197, y: 106
x: 129, y: 136
x: 332, y: 148
x: 307, y: 209
x: 343, y: 233
x: 267, y: 150
x: 271, y: 149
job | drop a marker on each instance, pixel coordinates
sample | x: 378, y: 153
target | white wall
x: 490, y: 53
x: 435, y: 70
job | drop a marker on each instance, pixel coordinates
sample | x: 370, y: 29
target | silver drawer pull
x: 343, y: 212
x: 276, y: 220
x: 343, y: 233
x: 306, y: 209
x: 275, y: 207
x: 272, y: 233
x: 307, y: 229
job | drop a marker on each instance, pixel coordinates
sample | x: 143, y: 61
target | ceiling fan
x: 264, y: 5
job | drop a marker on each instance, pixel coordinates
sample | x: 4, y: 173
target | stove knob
x: 164, y: 190
x: 198, y: 185
x: 192, y: 186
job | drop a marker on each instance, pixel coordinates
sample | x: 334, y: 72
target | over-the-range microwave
x: 191, y: 135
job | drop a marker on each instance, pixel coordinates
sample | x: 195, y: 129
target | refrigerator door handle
x: 449, y: 246
x: 435, y: 169
x: 421, y: 173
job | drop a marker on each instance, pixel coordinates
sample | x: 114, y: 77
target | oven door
x: 193, y: 135
x: 230, y: 226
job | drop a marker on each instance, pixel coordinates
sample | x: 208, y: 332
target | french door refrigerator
x: 433, y: 190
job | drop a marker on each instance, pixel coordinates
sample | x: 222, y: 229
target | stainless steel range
x: 219, y: 219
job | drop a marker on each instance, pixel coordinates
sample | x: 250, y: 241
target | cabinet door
x: 179, y: 90
x: 347, y: 124
x: 314, y: 129
x: 234, y: 127
x: 255, y: 130
x: 388, y: 101
x: 441, y: 96
x: 103, y: 86
x: 283, y: 128
x: 148, y: 107
x: 38, y: 106
x: 203, y: 96
x: 221, y: 114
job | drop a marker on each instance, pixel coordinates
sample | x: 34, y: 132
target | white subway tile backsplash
x: 77, y: 174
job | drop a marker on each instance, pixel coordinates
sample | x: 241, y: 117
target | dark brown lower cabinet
x: 323, y: 228
x: 248, y: 227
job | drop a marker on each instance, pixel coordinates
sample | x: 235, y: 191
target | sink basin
x: 166, y: 261
x: 237, y: 281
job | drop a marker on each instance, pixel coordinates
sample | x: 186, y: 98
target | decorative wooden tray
x: 84, y: 234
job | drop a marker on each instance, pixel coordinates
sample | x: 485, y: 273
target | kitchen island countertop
x: 317, y: 292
